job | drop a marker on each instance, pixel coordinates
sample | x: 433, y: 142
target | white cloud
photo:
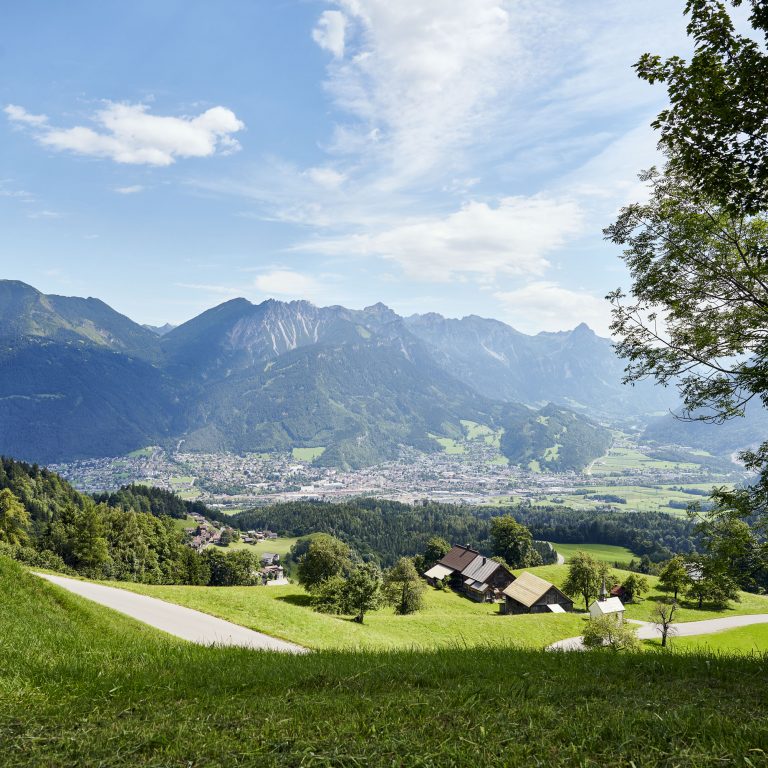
x: 18, y: 114
x: 329, y: 178
x: 131, y: 190
x: 44, y: 215
x: 418, y: 78
x: 330, y: 31
x: 547, y: 306
x: 127, y: 133
x: 286, y: 282
x: 478, y: 240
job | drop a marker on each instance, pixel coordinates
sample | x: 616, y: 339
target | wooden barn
x: 530, y: 594
x: 485, y: 579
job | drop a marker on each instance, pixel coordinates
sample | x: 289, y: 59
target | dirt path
x: 649, y: 631
x: 182, y: 622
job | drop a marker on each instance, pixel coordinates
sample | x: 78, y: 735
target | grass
x: 446, y: 620
x: 187, y: 522
x: 604, y: 552
x: 276, y: 546
x: 643, y: 610
x: 83, y: 686
x: 748, y: 640
x: 141, y: 453
x: 654, y: 498
x: 308, y: 454
x: 449, y: 445
x: 623, y: 459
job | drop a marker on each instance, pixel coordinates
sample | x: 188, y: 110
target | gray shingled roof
x: 481, y: 568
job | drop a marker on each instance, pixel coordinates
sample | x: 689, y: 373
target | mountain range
x: 78, y: 379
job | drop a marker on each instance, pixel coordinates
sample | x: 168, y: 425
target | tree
x: 89, y: 547
x: 328, y: 595
x: 710, y: 584
x: 714, y: 127
x: 662, y: 615
x: 674, y: 576
x: 326, y: 556
x: 14, y: 520
x: 607, y: 632
x: 635, y: 586
x: 362, y: 590
x: 403, y: 588
x: 231, y: 570
x: 513, y: 541
x: 696, y: 250
x: 437, y: 548
x: 584, y: 578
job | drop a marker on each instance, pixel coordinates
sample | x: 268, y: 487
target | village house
x: 529, y: 593
x: 466, y: 570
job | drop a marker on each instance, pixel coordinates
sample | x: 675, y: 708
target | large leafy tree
x: 715, y: 126
x: 326, y: 556
x: 403, y: 588
x: 513, y: 542
x: 14, y: 519
x: 697, y: 311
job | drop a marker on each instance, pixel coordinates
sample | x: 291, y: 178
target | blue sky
x: 457, y: 156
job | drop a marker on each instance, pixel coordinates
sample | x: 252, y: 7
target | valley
x: 469, y: 470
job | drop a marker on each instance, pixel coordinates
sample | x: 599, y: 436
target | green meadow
x: 604, y: 552
x: 83, y: 686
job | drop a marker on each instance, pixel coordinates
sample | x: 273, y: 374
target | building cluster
x: 484, y: 580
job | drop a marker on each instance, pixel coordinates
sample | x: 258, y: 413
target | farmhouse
x: 530, y: 594
x: 478, y: 577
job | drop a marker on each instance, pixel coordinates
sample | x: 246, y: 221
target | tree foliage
x: 584, y: 577
x: 513, y: 542
x: 14, y: 519
x: 714, y: 127
x: 674, y: 577
x: 403, y: 588
x: 326, y: 556
x: 607, y: 632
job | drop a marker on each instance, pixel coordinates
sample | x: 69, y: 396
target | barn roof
x: 458, y: 558
x: 438, y: 572
x: 527, y: 589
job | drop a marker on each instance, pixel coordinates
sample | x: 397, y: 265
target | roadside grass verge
x: 82, y: 686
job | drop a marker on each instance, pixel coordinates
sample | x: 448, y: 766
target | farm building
x: 607, y: 606
x: 478, y: 577
x: 530, y: 594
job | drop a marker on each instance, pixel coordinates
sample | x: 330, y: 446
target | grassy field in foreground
x: 83, y: 686
x: 605, y: 552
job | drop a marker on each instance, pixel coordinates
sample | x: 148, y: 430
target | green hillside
x: 87, y: 687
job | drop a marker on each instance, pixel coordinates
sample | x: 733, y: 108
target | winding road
x: 649, y: 631
x: 185, y: 623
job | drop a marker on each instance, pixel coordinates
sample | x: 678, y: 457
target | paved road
x: 182, y: 622
x: 648, y: 631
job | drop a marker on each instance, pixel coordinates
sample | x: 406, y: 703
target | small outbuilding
x: 437, y: 573
x: 529, y: 593
x: 610, y: 606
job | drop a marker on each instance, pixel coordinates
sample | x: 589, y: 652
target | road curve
x: 188, y: 624
x: 649, y: 631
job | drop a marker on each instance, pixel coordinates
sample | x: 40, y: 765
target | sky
x: 451, y: 156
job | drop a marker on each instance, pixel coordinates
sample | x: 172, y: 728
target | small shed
x: 611, y: 606
x: 437, y: 573
x: 529, y: 593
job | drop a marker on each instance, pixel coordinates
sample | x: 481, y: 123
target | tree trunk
x: 663, y: 637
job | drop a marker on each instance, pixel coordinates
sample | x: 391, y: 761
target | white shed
x: 611, y: 606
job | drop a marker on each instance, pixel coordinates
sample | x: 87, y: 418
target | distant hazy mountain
x: 160, y: 330
x: 79, y: 379
x: 575, y: 368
